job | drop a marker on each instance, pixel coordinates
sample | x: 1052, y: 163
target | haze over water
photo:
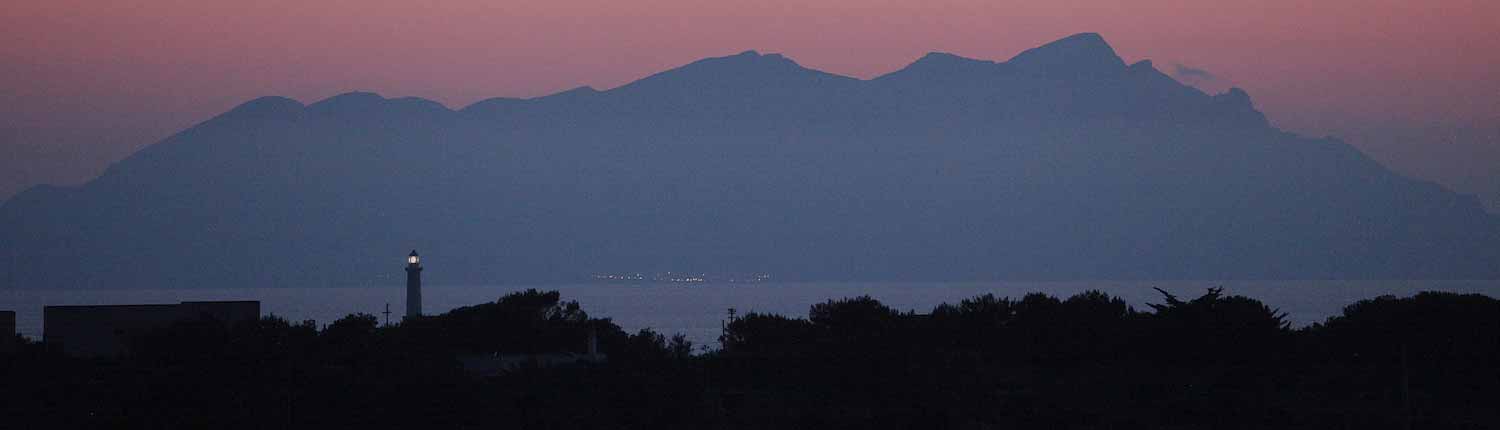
x: 696, y: 310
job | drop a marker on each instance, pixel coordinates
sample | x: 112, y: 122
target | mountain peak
x: 360, y: 103
x: 943, y: 66
x: 750, y: 57
x: 495, y: 102
x: 1081, y: 55
x: 356, y: 100
x: 1082, y: 39
x: 353, y: 96
x: 580, y: 91
x: 944, y: 58
x: 749, y: 70
x: 267, y: 108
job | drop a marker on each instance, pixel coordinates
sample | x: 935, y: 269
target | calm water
x: 697, y: 309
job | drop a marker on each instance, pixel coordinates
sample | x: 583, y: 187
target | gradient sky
x: 84, y: 83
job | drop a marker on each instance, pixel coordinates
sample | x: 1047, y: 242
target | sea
x: 697, y: 310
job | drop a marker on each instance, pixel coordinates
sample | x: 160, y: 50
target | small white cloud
x: 1199, y: 78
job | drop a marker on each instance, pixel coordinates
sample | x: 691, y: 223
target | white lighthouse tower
x: 413, y: 285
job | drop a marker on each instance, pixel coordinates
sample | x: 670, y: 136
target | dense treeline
x: 1089, y: 361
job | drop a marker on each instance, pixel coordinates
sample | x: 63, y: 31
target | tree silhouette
x: 1215, y: 327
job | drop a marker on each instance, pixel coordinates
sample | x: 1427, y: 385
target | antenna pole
x: 387, y: 314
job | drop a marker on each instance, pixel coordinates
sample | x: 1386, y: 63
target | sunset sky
x: 84, y: 83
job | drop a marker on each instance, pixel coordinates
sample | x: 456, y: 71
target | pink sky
x: 83, y: 83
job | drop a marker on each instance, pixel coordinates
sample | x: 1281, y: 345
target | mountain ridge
x: 1060, y: 163
x: 1081, y: 44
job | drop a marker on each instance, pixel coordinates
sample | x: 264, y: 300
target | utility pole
x: 724, y: 331
x: 387, y: 314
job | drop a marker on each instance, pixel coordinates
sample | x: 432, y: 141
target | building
x: 7, y: 331
x: 106, y: 330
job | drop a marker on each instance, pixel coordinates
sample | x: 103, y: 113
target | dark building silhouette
x: 413, y: 285
x: 7, y: 330
x: 105, y: 330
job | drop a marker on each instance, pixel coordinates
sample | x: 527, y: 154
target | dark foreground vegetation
x: 1087, y: 362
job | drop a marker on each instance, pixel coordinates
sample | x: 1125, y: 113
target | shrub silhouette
x: 1216, y: 328
x: 350, y: 329
x: 757, y: 333
x: 648, y: 346
x: 1431, y: 326
x: 521, y: 322
x: 974, y: 323
x: 350, y: 338
x: 1093, y: 324
x: 858, y: 323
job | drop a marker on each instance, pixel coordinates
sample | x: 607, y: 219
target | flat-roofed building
x: 106, y: 330
x: 7, y: 330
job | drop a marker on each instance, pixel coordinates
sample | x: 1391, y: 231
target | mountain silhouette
x: 1061, y: 163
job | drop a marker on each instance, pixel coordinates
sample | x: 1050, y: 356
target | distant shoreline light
x: 681, y: 278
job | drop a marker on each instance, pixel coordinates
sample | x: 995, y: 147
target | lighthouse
x: 413, y: 285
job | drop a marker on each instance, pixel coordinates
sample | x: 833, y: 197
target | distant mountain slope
x: 1063, y: 162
